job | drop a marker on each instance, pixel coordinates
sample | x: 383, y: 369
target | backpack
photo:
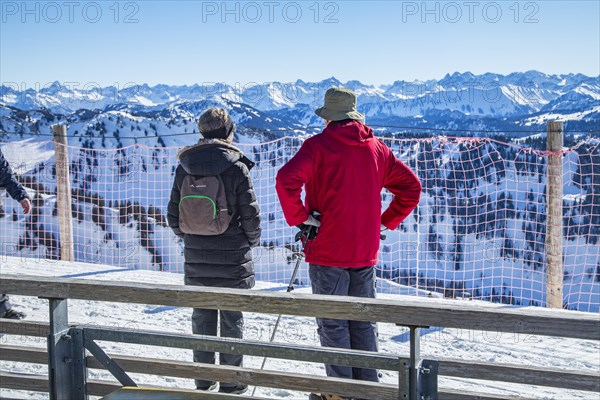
x: 203, y: 206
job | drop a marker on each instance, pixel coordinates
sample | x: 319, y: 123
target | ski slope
x: 427, y: 251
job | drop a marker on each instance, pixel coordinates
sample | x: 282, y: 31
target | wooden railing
x: 417, y: 378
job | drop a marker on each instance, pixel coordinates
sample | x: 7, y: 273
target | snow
x: 588, y: 91
x: 143, y: 101
x: 148, y: 179
x: 529, y: 92
x: 574, y: 198
x: 9, y: 98
x: 555, y: 116
x: 37, y: 152
x: 464, y: 344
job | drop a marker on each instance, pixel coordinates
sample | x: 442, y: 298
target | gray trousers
x: 204, y: 322
x: 4, y: 304
x: 357, y: 335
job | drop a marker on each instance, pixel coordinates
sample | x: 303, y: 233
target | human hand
x: 26, y: 204
x: 309, y: 228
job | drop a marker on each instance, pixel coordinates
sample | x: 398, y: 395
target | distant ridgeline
x: 515, y: 105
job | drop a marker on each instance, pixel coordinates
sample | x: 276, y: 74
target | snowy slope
x: 462, y: 241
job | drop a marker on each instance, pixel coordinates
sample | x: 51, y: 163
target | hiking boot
x: 237, y: 389
x: 12, y: 314
x: 325, y: 396
x: 208, y: 388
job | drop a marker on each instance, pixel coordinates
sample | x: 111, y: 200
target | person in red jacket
x: 343, y: 171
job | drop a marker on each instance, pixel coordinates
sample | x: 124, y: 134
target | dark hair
x: 215, y: 123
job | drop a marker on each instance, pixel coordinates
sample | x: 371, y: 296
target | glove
x: 308, y: 229
x: 312, y: 221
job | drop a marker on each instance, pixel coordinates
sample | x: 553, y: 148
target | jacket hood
x: 352, y: 133
x: 210, y: 157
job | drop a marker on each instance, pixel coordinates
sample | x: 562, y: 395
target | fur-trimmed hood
x: 211, y: 157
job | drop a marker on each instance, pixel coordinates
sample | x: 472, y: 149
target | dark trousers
x: 357, y: 335
x: 4, y: 304
x: 204, y: 322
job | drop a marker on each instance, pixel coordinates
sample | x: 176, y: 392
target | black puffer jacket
x: 9, y: 182
x: 224, y: 260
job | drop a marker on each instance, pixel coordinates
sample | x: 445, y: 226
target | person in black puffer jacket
x: 9, y: 182
x: 223, y: 260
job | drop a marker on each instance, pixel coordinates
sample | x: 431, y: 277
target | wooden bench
x: 413, y: 313
x: 141, y: 393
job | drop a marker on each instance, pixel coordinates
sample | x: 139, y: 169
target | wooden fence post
x: 554, y: 220
x: 63, y: 192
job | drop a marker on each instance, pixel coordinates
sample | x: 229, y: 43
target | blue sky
x: 186, y: 42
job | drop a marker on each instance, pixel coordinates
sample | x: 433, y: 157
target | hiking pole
x: 306, y: 232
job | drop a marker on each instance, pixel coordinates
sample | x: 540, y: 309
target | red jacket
x: 344, y: 170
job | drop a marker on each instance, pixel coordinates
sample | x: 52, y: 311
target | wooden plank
x: 577, y: 380
x: 63, y: 193
x: 34, y: 383
x: 554, y: 212
x: 276, y: 379
x: 24, y: 328
x: 145, y: 393
x: 33, y: 355
x: 586, y: 381
x: 183, y: 369
x: 39, y: 383
x: 453, y: 394
x: 580, y: 380
x: 416, y: 312
x: 309, y: 353
x: 101, y: 388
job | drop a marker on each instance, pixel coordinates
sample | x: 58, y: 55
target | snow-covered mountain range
x: 479, y: 230
x: 517, y: 101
